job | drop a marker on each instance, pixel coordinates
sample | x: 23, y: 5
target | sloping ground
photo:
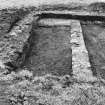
x: 99, y: 7
x: 12, y: 43
x: 22, y: 88
x: 25, y: 89
x: 12, y: 46
x: 53, y: 90
x: 80, y: 61
x: 9, y: 18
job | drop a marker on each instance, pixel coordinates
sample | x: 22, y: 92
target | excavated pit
x: 94, y: 37
x: 50, y: 49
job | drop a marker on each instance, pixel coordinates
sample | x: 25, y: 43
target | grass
x: 36, y: 3
x: 98, y: 7
x: 54, y: 90
x: 94, y: 33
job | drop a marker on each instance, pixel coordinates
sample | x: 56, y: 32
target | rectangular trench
x: 57, y: 46
x: 51, y: 49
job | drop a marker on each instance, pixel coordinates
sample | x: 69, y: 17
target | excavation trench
x: 50, y: 49
x: 55, y: 60
x: 94, y: 37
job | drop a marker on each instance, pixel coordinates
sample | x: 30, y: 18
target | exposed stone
x: 80, y: 61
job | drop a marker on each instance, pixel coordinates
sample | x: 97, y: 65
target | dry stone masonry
x: 80, y: 60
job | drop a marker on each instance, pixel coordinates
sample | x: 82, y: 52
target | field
x: 50, y: 61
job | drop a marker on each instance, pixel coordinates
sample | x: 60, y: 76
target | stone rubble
x: 80, y: 60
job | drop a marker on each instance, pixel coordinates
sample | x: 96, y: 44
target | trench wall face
x: 51, y: 50
x: 94, y: 37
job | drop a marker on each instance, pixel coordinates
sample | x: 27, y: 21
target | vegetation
x: 53, y: 90
x: 97, y: 7
x: 22, y: 88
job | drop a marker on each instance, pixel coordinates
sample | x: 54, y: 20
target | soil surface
x: 50, y: 50
x: 94, y: 37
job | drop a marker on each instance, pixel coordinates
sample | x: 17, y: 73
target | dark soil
x: 10, y: 17
x: 94, y: 37
x: 50, y: 50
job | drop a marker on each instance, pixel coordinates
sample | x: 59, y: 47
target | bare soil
x: 50, y: 50
x: 94, y: 37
